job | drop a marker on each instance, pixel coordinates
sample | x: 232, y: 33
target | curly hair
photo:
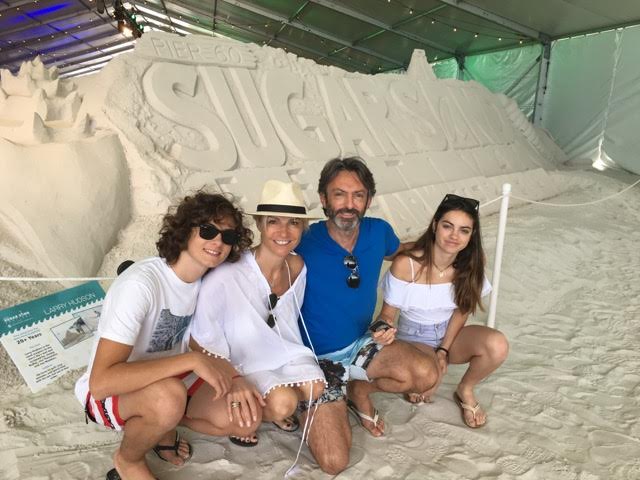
x: 202, y: 207
x: 469, y: 263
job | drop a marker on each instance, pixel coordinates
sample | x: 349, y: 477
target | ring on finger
x: 235, y: 404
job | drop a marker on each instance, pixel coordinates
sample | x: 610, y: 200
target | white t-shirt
x: 230, y: 320
x: 149, y: 308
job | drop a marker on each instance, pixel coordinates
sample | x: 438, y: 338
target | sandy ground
x: 564, y: 406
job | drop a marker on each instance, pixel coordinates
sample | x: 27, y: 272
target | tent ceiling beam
x: 497, y: 19
x: 47, y: 23
x: 61, y: 62
x: 289, y: 43
x: 338, y: 7
x: 541, y: 89
x: 164, y: 7
x: 50, y: 61
x: 616, y: 26
x: 301, y: 26
x: 65, y: 68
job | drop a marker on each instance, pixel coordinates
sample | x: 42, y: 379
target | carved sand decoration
x: 206, y: 110
x: 55, y: 167
x: 194, y: 111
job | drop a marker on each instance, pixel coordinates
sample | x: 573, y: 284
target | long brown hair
x: 469, y: 263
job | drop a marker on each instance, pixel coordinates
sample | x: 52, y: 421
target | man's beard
x: 345, y: 224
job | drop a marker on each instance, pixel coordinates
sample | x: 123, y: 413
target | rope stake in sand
x: 497, y: 265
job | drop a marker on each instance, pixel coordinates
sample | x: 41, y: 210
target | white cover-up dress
x: 425, y: 310
x: 230, y: 322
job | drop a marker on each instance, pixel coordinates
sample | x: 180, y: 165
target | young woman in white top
x: 256, y: 303
x: 435, y: 286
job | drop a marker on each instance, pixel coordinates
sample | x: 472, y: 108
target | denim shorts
x: 348, y: 363
x: 429, y: 334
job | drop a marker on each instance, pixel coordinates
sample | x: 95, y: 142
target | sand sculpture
x: 56, y: 167
x: 193, y: 111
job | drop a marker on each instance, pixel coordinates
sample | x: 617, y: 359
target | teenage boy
x: 141, y: 378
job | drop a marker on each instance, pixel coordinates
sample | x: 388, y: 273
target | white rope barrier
x: 548, y: 204
x: 502, y: 223
x: 499, y: 244
x: 62, y: 279
x: 491, y: 201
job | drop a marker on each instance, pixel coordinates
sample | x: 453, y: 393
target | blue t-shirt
x: 334, y: 314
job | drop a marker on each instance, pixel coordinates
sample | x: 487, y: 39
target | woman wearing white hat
x: 256, y: 303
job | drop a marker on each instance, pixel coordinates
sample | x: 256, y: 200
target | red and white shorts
x: 106, y: 412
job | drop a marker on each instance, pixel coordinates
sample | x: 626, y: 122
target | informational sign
x: 52, y: 335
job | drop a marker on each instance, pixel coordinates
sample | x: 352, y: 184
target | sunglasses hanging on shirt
x: 353, y: 280
x: 272, y: 302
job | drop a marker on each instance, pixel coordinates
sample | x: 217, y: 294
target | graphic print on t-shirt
x: 168, y: 332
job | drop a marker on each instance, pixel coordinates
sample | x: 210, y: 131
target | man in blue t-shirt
x: 344, y: 255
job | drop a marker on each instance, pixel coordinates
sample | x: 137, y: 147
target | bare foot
x: 414, y: 398
x: 363, y: 404
x: 131, y: 470
x: 169, y: 453
x: 474, y: 416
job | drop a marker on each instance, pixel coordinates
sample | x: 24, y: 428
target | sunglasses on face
x: 353, y: 280
x: 273, y: 301
x: 209, y: 232
x: 471, y: 203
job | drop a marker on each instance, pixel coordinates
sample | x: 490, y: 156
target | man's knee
x: 424, y: 374
x: 166, y: 402
x: 330, y: 437
x: 334, y: 462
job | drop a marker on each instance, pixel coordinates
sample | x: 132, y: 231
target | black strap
x: 267, y: 207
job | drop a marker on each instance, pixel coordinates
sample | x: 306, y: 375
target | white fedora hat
x: 282, y: 199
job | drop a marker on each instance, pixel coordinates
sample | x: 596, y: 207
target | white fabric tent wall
x: 592, y: 103
x: 592, y: 106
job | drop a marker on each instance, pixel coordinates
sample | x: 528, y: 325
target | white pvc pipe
x: 497, y: 264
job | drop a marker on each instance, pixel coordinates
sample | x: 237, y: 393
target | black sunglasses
x: 209, y: 232
x: 471, y: 203
x: 273, y: 301
x: 353, y: 280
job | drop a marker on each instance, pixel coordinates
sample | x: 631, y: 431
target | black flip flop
x: 293, y: 420
x: 241, y: 443
x: 175, y: 448
x: 113, y: 475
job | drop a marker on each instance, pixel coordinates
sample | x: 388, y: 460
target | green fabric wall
x: 512, y: 72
